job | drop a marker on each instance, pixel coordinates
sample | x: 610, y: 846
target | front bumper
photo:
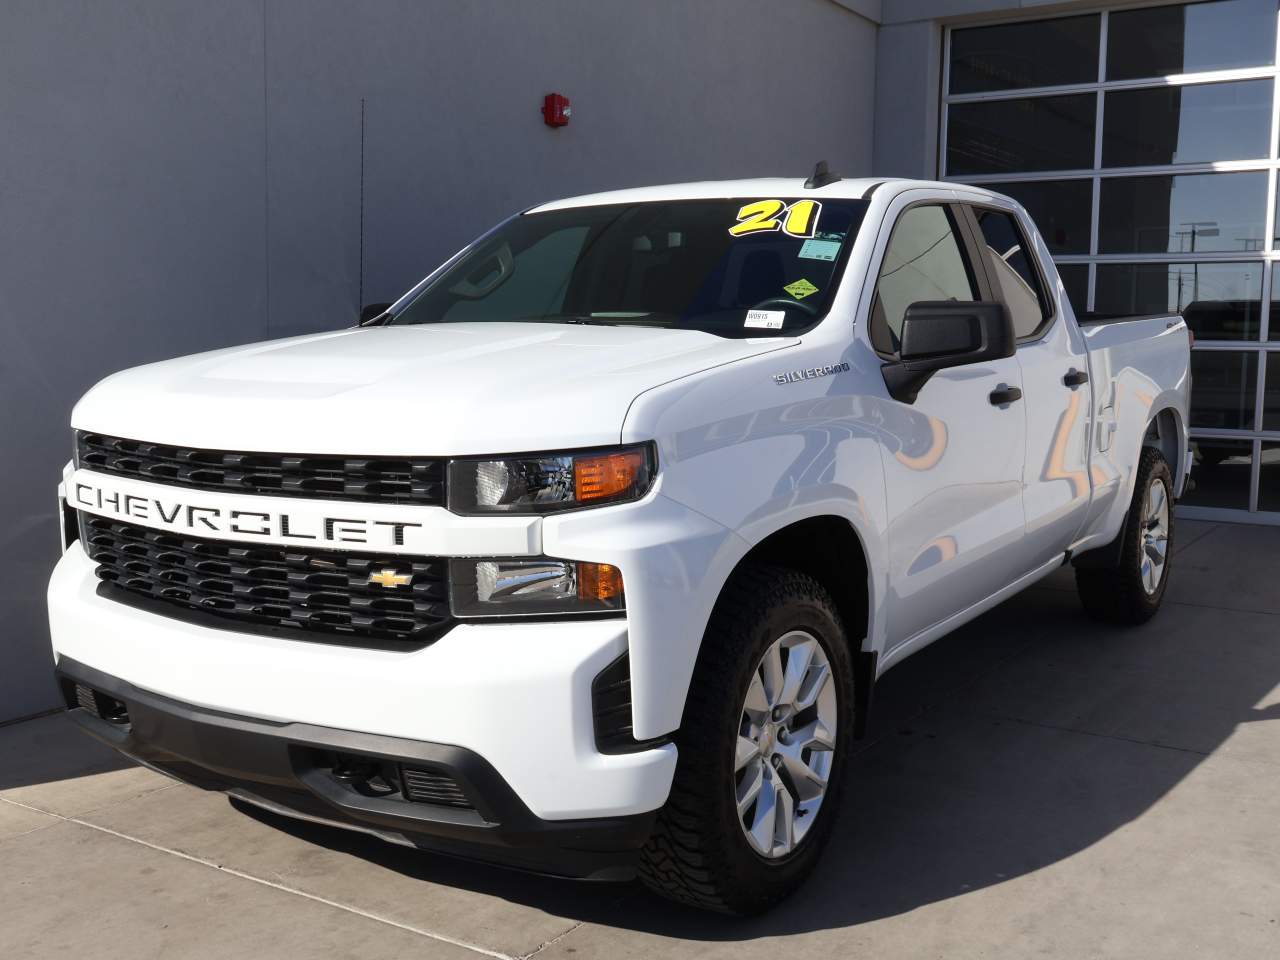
x: 464, y: 807
x: 517, y: 695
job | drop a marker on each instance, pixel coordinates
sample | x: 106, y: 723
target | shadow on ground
x: 38, y: 751
x: 1022, y: 739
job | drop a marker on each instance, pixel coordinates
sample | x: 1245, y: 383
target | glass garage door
x: 1143, y: 142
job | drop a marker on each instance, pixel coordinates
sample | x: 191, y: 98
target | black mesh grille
x: 380, y: 479
x: 100, y: 705
x: 325, y: 592
x: 84, y: 697
x: 423, y: 786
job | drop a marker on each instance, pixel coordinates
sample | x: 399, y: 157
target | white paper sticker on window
x: 820, y: 249
x: 765, y: 319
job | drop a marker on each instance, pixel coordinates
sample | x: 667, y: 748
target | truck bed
x: 1092, y: 317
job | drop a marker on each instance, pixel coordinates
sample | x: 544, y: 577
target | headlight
x: 528, y: 587
x: 549, y: 482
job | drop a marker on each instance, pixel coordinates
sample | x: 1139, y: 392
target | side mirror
x: 372, y: 311
x: 946, y: 333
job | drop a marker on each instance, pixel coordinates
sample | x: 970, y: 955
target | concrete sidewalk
x: 1034, y: 785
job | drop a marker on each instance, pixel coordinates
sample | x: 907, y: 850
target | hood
x: 438, y: 390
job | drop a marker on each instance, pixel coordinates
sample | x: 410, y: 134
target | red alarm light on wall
x: 555, y: 110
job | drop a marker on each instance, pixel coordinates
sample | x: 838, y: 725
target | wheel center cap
x: 768, y: 737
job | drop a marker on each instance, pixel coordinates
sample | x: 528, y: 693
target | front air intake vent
x: 424, y: 786
x: 611, y: 710
x: 101, y: 705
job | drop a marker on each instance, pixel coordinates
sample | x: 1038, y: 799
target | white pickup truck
x: 584, y: 556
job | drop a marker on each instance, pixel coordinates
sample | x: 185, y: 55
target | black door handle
x: 1075, y: 378
x: 1003, y: 395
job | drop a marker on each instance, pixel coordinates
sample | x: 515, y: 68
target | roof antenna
x: 821, y: 176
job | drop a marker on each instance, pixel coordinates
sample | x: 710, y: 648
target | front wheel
x: 1131, y: 592
x: 763, y: 747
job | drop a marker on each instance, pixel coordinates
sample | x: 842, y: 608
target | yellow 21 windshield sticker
x: 799, y: 219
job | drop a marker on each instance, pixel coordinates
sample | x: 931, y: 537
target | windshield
x: 735, y: 268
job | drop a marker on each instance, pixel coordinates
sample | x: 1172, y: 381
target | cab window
x: 1014, y: 272
x: 924, y: 261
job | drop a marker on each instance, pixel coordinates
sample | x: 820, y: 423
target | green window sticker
x: 818, y: 249
x: 800, y: 289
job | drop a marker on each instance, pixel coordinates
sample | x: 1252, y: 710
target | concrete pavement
x: 1034, y: 785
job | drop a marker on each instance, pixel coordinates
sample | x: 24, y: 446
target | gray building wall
x: 181, y: 175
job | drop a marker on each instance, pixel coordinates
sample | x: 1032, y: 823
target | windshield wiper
x: 585, y: 319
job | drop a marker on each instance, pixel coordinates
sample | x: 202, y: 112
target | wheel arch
x: 829, y: 548
x: 1167, y: 433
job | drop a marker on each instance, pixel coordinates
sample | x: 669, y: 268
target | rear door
x: 1057, y: 397
x: 954, y: 483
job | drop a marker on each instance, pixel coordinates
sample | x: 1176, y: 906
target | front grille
x: 379, y: 479
x: 423, y: 786
x: 325, y: 593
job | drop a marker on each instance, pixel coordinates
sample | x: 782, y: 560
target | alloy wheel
x: 1155, y: 536
x: 785, y: 745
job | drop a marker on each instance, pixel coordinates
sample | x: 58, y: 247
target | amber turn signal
x: 607, y: 475
x: 599, y: 581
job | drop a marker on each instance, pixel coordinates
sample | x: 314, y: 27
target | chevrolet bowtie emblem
x: 387, y: 577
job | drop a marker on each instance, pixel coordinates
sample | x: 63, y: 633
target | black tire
x: 698, y: 853
x: 1116, y: 594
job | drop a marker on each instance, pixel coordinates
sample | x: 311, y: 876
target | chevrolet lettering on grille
x: 181, y: 512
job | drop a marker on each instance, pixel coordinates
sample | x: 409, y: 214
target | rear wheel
x: 762, y: 748
x: 1131, y: 591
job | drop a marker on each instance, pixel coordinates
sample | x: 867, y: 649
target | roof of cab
x: 853, y: 189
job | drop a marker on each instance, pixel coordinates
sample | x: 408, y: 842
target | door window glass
x: 1269, y: 478
x: 1222, y: 469
x: 1036, y: 54
x: 1014, y: 270
x: 1220, y: 301
x: 1203, y: 123
x: 1159, y: 41
x: 1036, y: 133
x: 1189, y: 213
x: 1271, y: 392
x: 1226, y: 385
x: 924, y: 261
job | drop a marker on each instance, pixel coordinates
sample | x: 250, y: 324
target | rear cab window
x: 1013, y: 271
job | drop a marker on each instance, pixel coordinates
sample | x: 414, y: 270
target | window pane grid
x: 1151, y: 83
x: 1259, y: 165
x: 1209, y: 116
